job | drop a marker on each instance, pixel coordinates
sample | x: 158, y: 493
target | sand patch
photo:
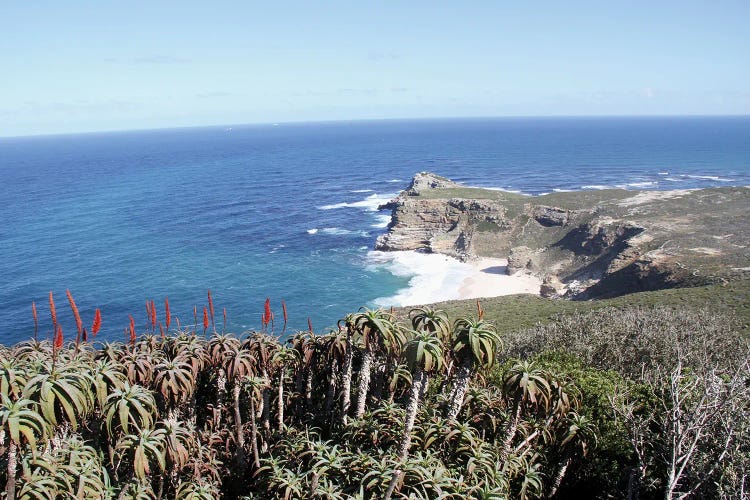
x: 489, y: 278
x: 706, y: 251
x: 649, y: 196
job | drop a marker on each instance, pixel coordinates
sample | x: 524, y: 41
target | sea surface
x: 289, y: 211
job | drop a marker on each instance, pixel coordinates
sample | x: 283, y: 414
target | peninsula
x: 584, y: 244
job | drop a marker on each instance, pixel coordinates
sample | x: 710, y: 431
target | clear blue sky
x: 70, y: 66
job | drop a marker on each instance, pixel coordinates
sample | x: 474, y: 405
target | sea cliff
x: 585, y: 244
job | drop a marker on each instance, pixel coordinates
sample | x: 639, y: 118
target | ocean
x: 289, y: 211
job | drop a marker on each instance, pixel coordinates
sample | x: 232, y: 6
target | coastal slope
x: 585, y: 244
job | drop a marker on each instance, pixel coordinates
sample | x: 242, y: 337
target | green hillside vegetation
x: 643, y: 396
x: 515, y: 312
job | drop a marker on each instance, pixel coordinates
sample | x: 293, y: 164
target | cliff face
x: 584, y: 244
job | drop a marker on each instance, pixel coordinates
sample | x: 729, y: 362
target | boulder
x: 520, y: 259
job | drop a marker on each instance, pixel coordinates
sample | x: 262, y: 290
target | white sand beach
x: 489, y: 278
x: 436, y: 278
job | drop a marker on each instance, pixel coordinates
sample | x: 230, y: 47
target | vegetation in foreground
x: 636, y: 402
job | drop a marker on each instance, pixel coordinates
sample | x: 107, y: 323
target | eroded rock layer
x: 585, y: 244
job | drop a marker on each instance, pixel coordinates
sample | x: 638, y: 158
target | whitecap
x: 643, y: 184
x: 312, y: 231
x: 395, y: 180
x: 596, y: 186
x: 560, y: 190
x: 361, y: 191
x: 432, y: 277
x: 383, y: 221
x: 337, y: 231
x: 504, y: 190
x: 709, y: 178
x: 334, y: 206
x: 663, y: 173
x: 370, y: 203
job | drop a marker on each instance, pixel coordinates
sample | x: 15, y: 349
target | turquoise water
x: 289, y: 211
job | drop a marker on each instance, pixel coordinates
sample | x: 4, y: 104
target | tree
x: 424, y: 354
x: 475, y: 343
x: 238, y: 364
x: 255, y: 386
x: 145, y: 449
x: 282, y: 359
x: 63, y: 393
x: 579, y: 434
x: 175, y: 382
x: 376, y: 327
x: 107, y: 376
x: 133, y: 406
x: 346, y: 370
x: 426, y: 319
x: 13, y: 377
x: 523, y: 383
x: 21, y: 423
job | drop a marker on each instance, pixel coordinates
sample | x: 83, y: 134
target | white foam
x: 560, y: 190
x: 337, y: 231
x: 361, y: 191
x: 663, y: 173
x: 370, y: 203
x: 383, y: 221
x: 709, y: 178
x: 638, y: 184
x: 596, y: 186
x: 432, y: 277
x: 394, y: 180
x: 312, y: 231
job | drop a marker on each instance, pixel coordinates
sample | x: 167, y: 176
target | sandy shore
x: 490, y: 279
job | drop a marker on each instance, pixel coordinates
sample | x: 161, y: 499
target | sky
x: 84, y: 66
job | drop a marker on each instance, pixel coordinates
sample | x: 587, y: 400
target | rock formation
x: 585, y: 244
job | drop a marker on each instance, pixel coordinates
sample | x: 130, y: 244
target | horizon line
x: 362, y: 120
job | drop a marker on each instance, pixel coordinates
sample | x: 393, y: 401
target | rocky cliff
x: 585, y: 244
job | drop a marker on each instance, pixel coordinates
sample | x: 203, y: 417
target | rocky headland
x: 584, y: 244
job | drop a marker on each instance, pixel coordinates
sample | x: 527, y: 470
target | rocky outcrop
x: 586, y: 244
x: 520, y: 259
x: 550, y: 216
x: 428, y: 180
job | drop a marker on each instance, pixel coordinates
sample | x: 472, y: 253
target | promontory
x: 584, y: 244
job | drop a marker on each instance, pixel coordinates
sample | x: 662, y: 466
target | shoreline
x: 434, y: 277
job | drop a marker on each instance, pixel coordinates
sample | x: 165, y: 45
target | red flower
x: 52, y: 312
x: 205, y: 320
x: 97, y: 324
x: 74, y: 308
x: 58, y: 338
x: 267, y: 313
x: 132, y: 330
x: 153, y: 315
x: 211, y: 306
x: 167, y: 316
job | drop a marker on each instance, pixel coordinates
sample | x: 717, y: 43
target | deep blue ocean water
x: 289, y: 211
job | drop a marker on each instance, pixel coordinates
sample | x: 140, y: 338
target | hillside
x: 586, y: 244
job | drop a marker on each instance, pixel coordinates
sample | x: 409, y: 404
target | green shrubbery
x: 638, y: 401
